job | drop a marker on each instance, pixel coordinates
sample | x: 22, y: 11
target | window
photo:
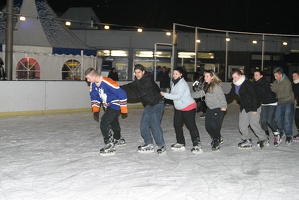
x: 28, y: 68
x: 71, y: 70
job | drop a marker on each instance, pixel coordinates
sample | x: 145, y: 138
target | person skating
x: 250, y: 107
x: 184, y: 113
x: 106, y: 92
x: 145, y: 88
x: 216, y: 107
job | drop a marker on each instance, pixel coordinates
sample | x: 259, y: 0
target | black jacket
x: 247, y: 97
x: 295, y: 88
x: 145, y: 88
x: 264, y: 92
x: 164, y: 79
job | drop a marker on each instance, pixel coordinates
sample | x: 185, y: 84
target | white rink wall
x: 38, y: 97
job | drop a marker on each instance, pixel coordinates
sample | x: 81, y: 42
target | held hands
x: 223, y: 109
x: 162, y: 93
x: 96, y: 116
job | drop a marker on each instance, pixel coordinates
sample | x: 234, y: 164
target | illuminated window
x: 28, y: 68
x: 71, y: 70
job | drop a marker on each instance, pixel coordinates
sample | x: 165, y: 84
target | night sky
x: 263, y: 16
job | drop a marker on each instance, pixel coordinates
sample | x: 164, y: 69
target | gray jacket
x: 180, y: 94
x: 216, y: 99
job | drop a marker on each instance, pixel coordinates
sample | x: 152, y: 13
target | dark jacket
x: 164, y: 79
x: 145, y: 88
x: 113, y: 76
x: 295, y: 88
x: 247, y: 97
x: 264, y: 92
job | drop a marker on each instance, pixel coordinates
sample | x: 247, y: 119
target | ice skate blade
x: 146, y: 152
x: 107, y: 153
x: 245, y: 147
x: 161, y: 153
x: 197, y: 152
x: 120, y: 145
x: 178, y: 149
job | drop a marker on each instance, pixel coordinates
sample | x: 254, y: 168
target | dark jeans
x: 268, y: 118
x: 109, y: 121
x: 201, y: 105
x: 151, y: 122
x: 297, y: 118
x: 213, y: 122
x: 188, y: 118
x: 284, y: 117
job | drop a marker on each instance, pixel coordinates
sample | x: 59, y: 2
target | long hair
x: 215, y: 81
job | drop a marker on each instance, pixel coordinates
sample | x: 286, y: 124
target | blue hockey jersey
x: 109, y: 94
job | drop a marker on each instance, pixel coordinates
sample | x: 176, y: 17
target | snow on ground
x: 50, y: 157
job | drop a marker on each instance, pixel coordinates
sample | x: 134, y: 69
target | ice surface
x: 57, y: 157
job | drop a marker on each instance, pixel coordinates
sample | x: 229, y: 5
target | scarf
x: 175, y: 81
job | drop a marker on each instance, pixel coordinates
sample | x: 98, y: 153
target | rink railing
x: 43, y: 97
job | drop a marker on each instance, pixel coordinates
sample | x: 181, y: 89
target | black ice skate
x: 262, y: 144
x: 246, y: 144
x: 161, y: 150
x: 277, y: 139
x: 146, y: 148
x: 215, y: 144
x: 108, y: 150
x: 178, y: 147
x: 120, y: 142
x: 196, y: 149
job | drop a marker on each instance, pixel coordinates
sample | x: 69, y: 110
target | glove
x: 124, y: 115
x: 96, y: 116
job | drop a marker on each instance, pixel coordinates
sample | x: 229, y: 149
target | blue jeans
x: 284, y: 118
x: 151, y: 122
x: 267, y: 118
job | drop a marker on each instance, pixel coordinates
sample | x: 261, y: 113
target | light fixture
x: 106, y: 27
x: 168, y: 33
x: 197, y: 41
x: 227, y: 39
x: 68, y: 23
x: 254, y: 42
x: 22, y: 18
x: 139, y: 30
x: 285, y: 43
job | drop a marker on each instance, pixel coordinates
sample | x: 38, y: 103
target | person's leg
x: 189, y: 119
x: 114, y: 125
x: 156, y: 117
x: 243, y: 125
x: 178, y: 123
x: 271, y: 118
x: 288, y: 119
x: 279, y: 117
x: 105, y: 124
x: 145, y: 125
x: 254, y: 120
x: 264, y: 114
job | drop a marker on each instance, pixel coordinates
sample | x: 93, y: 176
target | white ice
x: 52, y: 157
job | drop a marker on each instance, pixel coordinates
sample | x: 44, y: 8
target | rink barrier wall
x: 51, y: 97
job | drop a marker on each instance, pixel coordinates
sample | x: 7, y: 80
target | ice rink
x: 53, y: 157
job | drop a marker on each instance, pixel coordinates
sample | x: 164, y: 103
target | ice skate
x: 262, y: 144
x: 277, y: 139
x: 161, y: 150
x: 289, y: 140
x: 215, y: 144
x: 296, y: 138
x: 246, y: 144
x: 265, y: 143
x: 146, y: 148
x: 178, y: 147
x: 196, y: 149
x: 120, y: 142
x: 108, y: 150
x: 220, y: 141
